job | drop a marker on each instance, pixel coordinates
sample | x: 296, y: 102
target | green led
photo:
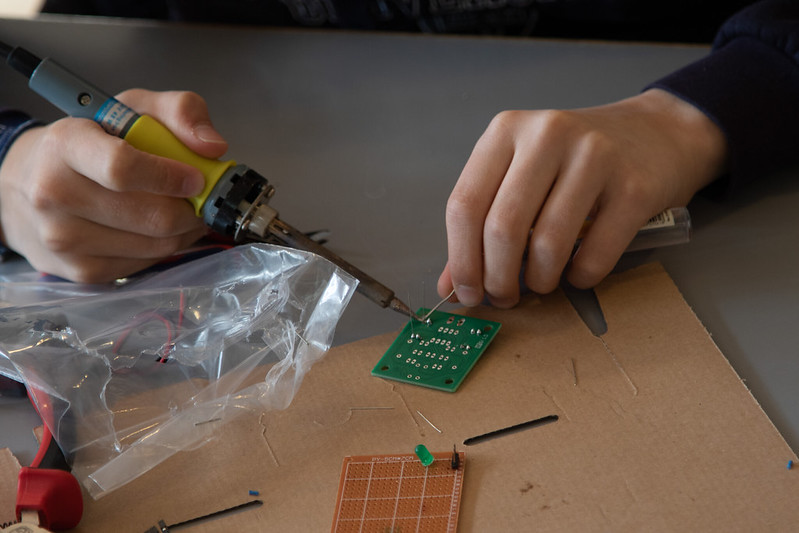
x: 424, y: 455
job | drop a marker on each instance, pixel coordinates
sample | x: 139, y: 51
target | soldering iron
x: 235, y: 200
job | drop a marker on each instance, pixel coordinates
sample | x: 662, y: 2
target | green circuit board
x: 438, y: 353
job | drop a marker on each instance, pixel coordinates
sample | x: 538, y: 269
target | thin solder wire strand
x: 439, y: 304
x: 412, y: 314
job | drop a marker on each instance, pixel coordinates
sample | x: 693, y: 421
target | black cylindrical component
x: 23, y: 61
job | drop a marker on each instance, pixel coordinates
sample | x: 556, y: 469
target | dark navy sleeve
x: 749, y: 86
x: 12, y: 123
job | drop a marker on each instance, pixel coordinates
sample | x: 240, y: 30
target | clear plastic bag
x: 129, y: 376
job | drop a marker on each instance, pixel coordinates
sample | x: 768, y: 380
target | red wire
x: 45, y: 411
x: 143, y: 319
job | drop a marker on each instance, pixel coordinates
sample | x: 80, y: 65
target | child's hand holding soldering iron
x: 89, y: 207
x: 620, y: 163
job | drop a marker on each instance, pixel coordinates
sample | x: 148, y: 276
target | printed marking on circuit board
x: 438, y: 353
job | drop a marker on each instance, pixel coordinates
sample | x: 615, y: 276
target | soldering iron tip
x: 399, y: 306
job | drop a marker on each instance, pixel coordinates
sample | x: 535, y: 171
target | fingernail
x: 206, y: 133
x: 468, y: 296
x: 503, y: 303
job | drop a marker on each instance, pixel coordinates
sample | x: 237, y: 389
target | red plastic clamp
x: 54, y: 494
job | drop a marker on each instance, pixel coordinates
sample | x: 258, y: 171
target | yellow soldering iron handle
x: 79, y: 98
x: 149, y: 135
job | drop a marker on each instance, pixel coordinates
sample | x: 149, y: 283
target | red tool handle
x: 47, y: 487
x: 54, y: 494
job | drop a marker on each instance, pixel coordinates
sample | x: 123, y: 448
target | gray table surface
x: 365, y: 135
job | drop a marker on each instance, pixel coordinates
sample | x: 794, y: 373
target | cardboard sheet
x: 655, y: 432
x: 9, y: 470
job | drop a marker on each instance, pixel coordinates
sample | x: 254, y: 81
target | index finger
x: 183, y: 113
x: 118, y: 166
x: 467, y: 208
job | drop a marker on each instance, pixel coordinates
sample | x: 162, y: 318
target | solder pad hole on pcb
x: 430, y: 354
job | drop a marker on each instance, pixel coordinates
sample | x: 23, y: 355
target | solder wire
x: 439, y: 304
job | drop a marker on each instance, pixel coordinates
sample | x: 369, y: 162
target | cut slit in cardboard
x: 654, y: 431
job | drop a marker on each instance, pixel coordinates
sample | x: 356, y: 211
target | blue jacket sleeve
x: 12, y: 123
x: 749, y: 86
